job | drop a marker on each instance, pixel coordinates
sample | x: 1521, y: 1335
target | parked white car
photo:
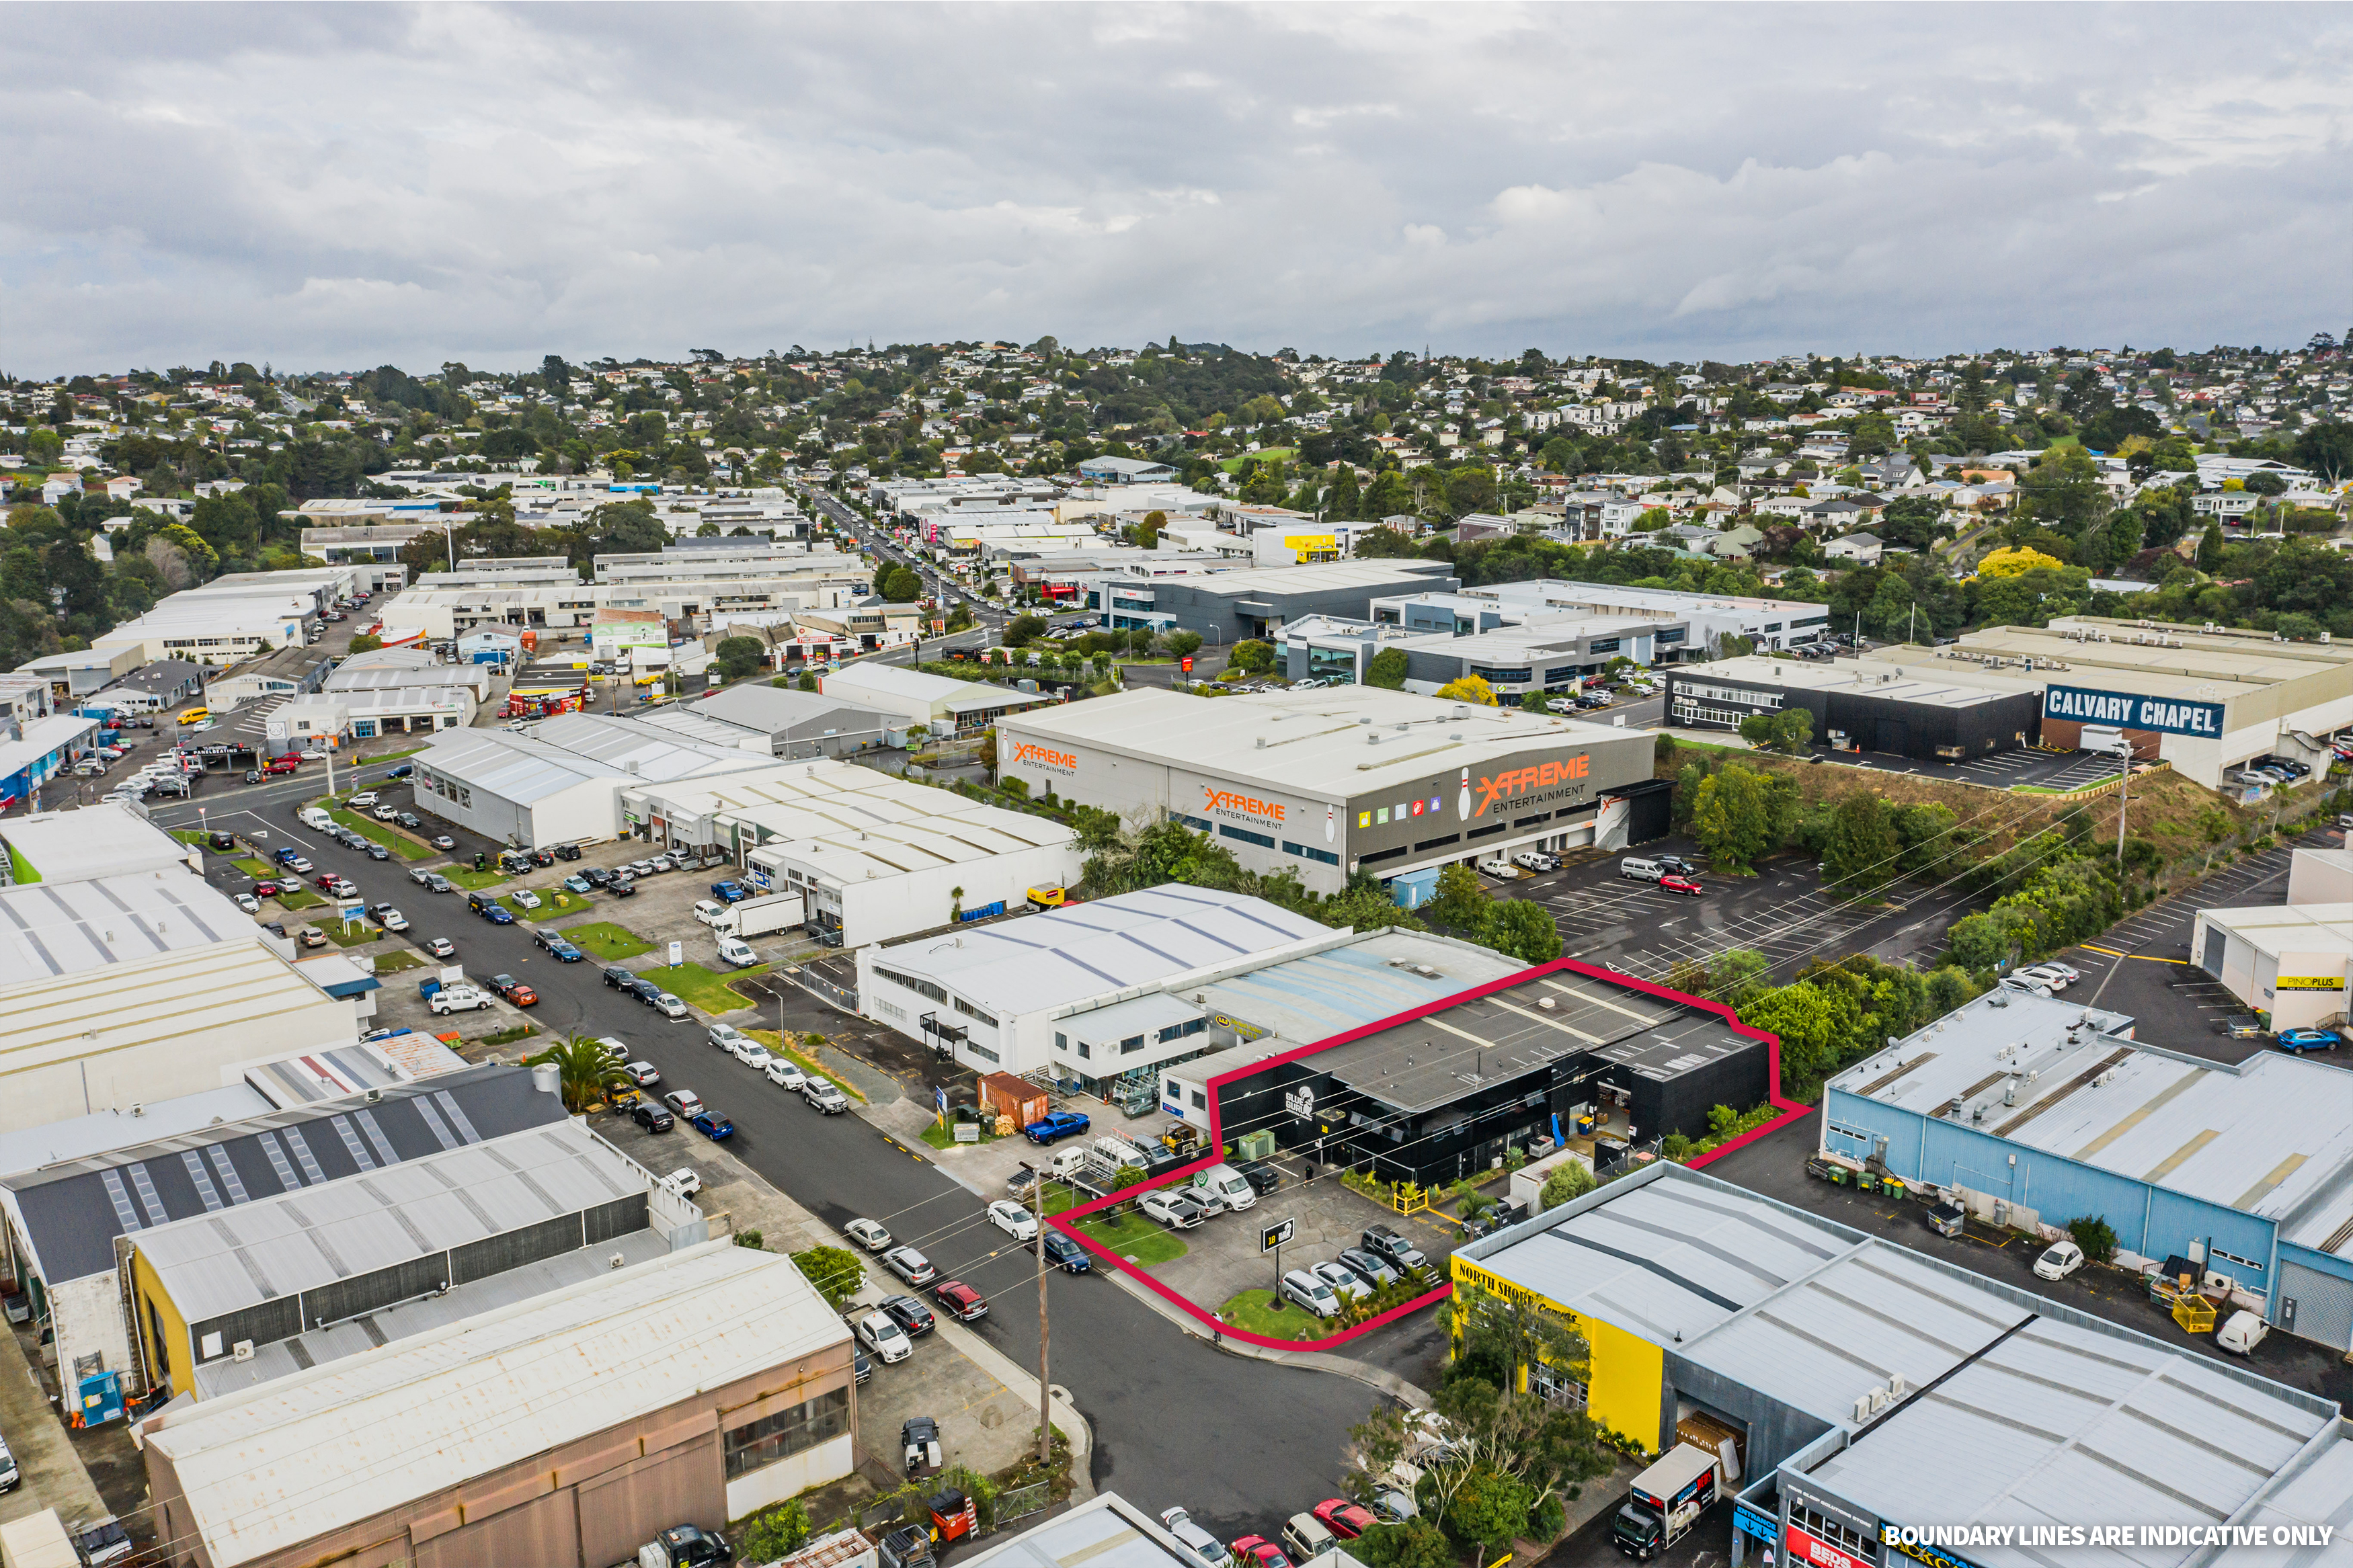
x: 2059, y: 1260
x: 1502, y: 870
x: 1013, y: 1220
x: 868, y: 1234
x: 524, y: 899
x: 1204, y: 1548
x: 755, y: 1056
x: 1343, y: 1280
x: 785, y: 1073
x: 728, y: 1038
x: 886, y: 1339
x: 683, y: 1181
x: 1302, y: 1288
x: 1172, y: 1209
x: 2046, y: 974
x: 458, y: 999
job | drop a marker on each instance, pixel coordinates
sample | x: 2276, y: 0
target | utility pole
x: 1045, y: 1412
x: 2124, y: 786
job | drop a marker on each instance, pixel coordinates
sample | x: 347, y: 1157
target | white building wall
x: 789, y: 1476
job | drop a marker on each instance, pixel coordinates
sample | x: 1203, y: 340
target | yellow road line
x: 2111, y: 952
x: 2146, y: 958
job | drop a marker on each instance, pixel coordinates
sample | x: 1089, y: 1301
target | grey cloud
x: 340, y: 185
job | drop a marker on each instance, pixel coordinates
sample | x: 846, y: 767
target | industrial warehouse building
x: 2287, y: 962
x: 804, y: 723
x: 1688, y: 626
x: 561, y: 1431
x: 876, y: 856
x: 1328, y: 781
x: 560, y: 781
x: 1858, y: 705
x: 945, y: 707
x: 993, y: 997
x: 67, y: 1216
x: 1442, y: 1065
x: 2204, y: 700
x: 1543, y: 654
x: 2038, y: 1111
x: 1227, y: 606
x: 1870, y: 1388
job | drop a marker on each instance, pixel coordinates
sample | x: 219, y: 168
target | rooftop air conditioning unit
x: 241, y: 1350
x: 1862, y: 1408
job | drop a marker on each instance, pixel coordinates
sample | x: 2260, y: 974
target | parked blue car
x: 498, y: 914
x: 576, y: 883
x: 734, y: 892
x: 563, y: 952
x: 713, y: 1126
x: 1066, y: 1254
x: 2310, y: 1039
x: 1059, y: 1124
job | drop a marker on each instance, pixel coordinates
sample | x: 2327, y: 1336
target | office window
x: 1428, y: 844
x: 1086, y: 1052
x: 1603, y: 645
x: 1264, y: 840
x: 1061, y: 1041
x: 1198, y: 825
x: 1131, y: 1045
x: 1200, y: 1101
x: 787, y: 1432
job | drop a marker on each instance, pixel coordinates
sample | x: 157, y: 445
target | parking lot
x: 1784, y: 913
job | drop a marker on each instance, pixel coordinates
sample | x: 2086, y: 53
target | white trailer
x: 758, y: 917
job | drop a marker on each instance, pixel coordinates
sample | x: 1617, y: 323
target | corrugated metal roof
x: 51, y: 928
x: 1106, y: 1531
x: 276, y: 1245
x: 2272, y: 1136
x: 2021, y: 1410
x: 266, y: 1469
x: 67, y: 1211
x: 283, y: 1358
x: 98, y: 840
x: 1086, y: 950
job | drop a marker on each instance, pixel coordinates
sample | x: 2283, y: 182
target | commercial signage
x: 1230, y: 803
x: 2163, y: 715
x: 1046, y: 757
x: 1300, y: 1102
x: 2309, y: 982
x: 1807, y: 1548
x: 1935, y: 1556
x: 1271, y: 1237
x: 1519, y: 782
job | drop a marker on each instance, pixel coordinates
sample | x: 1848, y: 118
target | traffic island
x: 702, y: 988
x: 604, y: 939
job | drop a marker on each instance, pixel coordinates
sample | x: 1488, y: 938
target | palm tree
x: 587, y: 1073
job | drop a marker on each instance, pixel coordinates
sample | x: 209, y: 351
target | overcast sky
x: 339, y: 186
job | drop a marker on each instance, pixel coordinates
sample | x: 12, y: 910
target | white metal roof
x: 272, y: 1247
x: 860, y: 680
x: 1333, y: 742
x: 269, y: 1468
x: 1065, y: 955
x: 2024, y: 1411
x: 54, y: 928
x: 2272, y: 1136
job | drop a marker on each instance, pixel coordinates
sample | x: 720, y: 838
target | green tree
x: 1147, y: 533
x: 1793, y: 730
x: 2095, y: 1235
x: 1461, y: 900
x: 736, y: 657
x: 2210, y: 548
x: 779, y: 1532
x: 1184, y: 645
x: 1469, y: 488
x: 1533, y: 700
x: 900, y: 585
x: 835, y: 1272
x: 1569, y: 1181
x: 1024, y: 631
x: 1522, y: 930
x: 1864, y: 847
x: 1387, y: 669
x: 585, y: 1074
x: 1732, y: 819
x: 1251, y: 656
x: 1409, y: 1543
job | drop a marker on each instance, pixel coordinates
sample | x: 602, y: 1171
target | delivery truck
x: 1665, y: 1501
x: 759, y: 917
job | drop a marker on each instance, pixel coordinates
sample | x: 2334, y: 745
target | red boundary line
x: 1791, y: 1111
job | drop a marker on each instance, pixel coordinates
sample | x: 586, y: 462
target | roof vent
x: 1262, y: 742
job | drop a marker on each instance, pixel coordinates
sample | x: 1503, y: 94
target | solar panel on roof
x: 457, y: 1115
x: 149, y: 1199
x: 383, y: 1145
x: 277, y: 1153
x: 124, y: 1214
x: 229, y: 1178
x: 311, y: 1171
x: 360, y: 1157
x: 433, y: 1122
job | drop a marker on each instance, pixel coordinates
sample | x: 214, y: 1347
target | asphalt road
x: 877, y: 538
x: 1242, y: 1444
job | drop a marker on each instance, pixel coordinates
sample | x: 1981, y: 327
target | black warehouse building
x: 1226, y: 606
x: 1446, y: 1094
x: 1863, y: 708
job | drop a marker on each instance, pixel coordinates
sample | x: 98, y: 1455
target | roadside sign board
x: 677, y: 953
x: 1271, y: 1237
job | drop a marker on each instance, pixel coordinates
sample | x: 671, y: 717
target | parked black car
x: 598, y: 876
x: 651, y: 1117
x: 567, y: 852
x: 1262, y: 1177
x: 909, y: 1314
x: 618, y: 978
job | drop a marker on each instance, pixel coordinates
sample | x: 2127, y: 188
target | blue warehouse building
x: 2032, y: 1110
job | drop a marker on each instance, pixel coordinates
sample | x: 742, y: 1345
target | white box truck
x: 1665, y: 1501
x: 758, y: 917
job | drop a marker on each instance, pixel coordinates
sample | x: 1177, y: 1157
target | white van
x: 1223, y: 1188
x: 709, y: 911
x: 1067, y: 1163
x: 1114, y: 1153
x: 317, y: 819
x: 1637, y: 870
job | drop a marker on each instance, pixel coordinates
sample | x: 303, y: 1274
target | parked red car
x: 1257, y: 1552
x: 1679, y: 885
x: 960, y: 1301
x: 1344, y: 1519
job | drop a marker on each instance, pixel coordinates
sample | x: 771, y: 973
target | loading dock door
x: 2324, y: 1305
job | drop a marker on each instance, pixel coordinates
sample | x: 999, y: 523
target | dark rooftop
x: 73, y: 1211
x: 1424, y: 1064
